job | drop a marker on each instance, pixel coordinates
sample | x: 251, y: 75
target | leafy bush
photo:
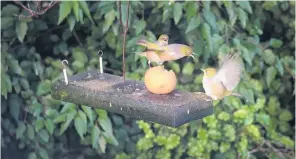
x: 259, y: 125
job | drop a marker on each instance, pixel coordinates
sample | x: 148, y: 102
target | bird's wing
x: 150, y: 46
x: 230, y: 71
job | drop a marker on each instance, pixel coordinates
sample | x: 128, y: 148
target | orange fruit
x: 159, y: 80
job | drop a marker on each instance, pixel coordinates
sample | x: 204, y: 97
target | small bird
x: 220, y: 83
x: 152, y: 56
x: 167, y: 52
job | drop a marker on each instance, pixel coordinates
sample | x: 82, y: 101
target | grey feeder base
x: 131, y: 98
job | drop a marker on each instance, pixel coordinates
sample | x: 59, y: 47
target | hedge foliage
x: 259, y: 125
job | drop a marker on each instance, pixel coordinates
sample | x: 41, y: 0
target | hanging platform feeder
x: 131, y: 98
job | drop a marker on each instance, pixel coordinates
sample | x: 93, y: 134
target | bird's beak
x: 202, y: 70
x: 192, y: 56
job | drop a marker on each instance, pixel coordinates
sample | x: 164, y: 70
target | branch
x: 125, y: 29
x: 34, y: 13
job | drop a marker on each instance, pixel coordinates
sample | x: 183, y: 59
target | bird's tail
x: 142, y: 42
x: 149, y: 45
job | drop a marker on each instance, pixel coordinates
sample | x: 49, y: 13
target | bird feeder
x: 131, y: 98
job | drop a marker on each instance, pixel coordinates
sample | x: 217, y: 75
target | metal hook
x: 100, y: 52
x: 64, y: 64
x: 65, y: 71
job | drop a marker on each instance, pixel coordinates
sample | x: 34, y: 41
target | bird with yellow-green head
x: 161, y: 53
x: 219, y: 83
x: 151, y: 55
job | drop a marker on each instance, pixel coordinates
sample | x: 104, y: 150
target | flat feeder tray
x: 131, y: 98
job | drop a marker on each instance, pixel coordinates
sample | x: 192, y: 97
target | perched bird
x: 152, y: 56
x: 163, y: 40
x: 220, y: 83
x: 167, y: 52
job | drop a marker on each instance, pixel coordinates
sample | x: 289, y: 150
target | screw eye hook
x: 64, y: 64
x: 100, y: 53
x: 65, y: 71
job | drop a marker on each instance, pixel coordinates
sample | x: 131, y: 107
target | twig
x: 125, y: 29
x: 290, y: 72
x: 77, y: 38
x: 32, y: 12
x: 274, y: 149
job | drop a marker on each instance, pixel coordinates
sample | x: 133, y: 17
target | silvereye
x: 152, y: 56
x: 220, y: 83
x: 167, y: 52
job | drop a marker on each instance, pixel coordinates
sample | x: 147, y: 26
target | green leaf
x: 95, y: 133
x: 70, y: 116
x: 210, y: 18
x: 21, y: 30
x: 15, y: 103
x: 285, y: 115
x: 178, y: 11
x: 275, y: 43
x: 140, y: 26
x: 6, y: 22
x: 242, y: 16
x: 102, y: 143
x: 247, y: 94
x: 39, y: 125
x: 88, y: 111
x: 80, y: 124
x: 9, y: 10
x: 105, y: 123
x: 224, y: 147
x: 172, y: 141
x: 206, y: 34
x: 75, y: 8
x: 254, y: 131
x: 24, y: 83
x: 287, y: 141
x: 19, y: 133
x: 160, y: 140
x: 270, y: 75
x: 229, y: 132
x: 110, y: 138
x: 71, y: 21
x: 30, y: 132
x: 224, y: 116
x: 32, y: 155
x: 109, y: 19
x: 188, y: 68
x: 43, y: 153
x: 79, y: 55
x: 245, y: 5
x: 68, y: 107
x: 50, y: 126
x: 263, y: 119
x: 43, y: 88
x: 269, y: 56
x: 231, y: 14
x: 194, y: 23
x: 84, y: 7
x: 144, y: 144
x: 65, y: 10
x: 6, y: 86
x: 279, y: 66
x: 60, y: 118
x: 44, y: 135
x: 191, y: 10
